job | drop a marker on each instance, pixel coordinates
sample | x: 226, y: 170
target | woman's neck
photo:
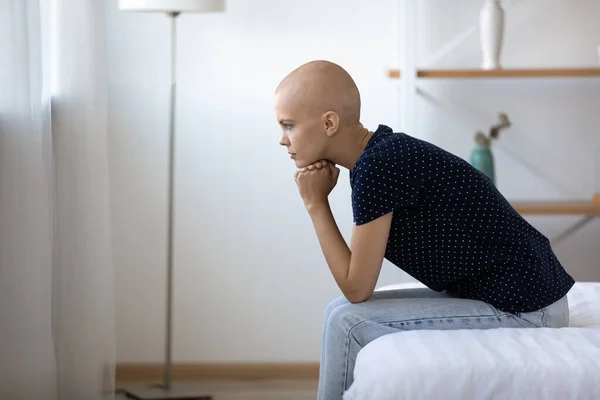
x: 350, y: 146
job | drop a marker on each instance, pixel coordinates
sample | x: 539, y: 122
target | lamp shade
x: 172, y: 5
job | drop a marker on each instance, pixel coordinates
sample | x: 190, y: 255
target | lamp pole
x: 166, y: 390
x: 171, y: 186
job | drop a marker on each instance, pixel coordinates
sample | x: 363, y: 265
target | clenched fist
x: 316, y: 181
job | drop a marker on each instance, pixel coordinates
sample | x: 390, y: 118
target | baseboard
x: 153, y: 372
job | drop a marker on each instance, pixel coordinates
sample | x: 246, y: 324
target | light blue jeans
x: 348, y: 327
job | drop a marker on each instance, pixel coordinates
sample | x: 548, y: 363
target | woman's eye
x: 287, y: 126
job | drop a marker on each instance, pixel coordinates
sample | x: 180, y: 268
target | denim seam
x: 346, y: 354
x: 544, y: 317
x: 443, y: 318
x: 521, y: 321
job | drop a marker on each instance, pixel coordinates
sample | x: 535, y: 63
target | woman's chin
x: 303, y: 163
x: 300, y: 164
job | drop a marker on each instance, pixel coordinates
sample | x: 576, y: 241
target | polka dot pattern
x: 452, y: 229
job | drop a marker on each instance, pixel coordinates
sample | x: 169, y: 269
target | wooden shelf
x: 588, y: 208
x: 501, y: 73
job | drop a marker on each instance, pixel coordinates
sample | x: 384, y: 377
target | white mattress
x: 548, y: 364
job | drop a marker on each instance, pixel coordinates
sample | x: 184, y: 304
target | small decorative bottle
x: 482, y: 157
x: 491, y: 33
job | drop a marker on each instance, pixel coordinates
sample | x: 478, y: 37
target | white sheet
x: 548, y: 364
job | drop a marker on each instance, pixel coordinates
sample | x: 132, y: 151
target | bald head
x: 321, y: 86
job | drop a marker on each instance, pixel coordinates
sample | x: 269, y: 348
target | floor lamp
x: 172, y: 8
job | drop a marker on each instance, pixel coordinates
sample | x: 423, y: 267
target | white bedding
x: 548, y: 364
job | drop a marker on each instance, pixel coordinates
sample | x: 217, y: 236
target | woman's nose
x: 284, y: 141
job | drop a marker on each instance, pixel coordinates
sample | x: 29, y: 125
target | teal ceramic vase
x: 483, y: 159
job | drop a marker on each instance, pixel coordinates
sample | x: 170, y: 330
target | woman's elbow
x: 358, y: 296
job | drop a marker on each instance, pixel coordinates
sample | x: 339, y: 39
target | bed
x: 548, y: 364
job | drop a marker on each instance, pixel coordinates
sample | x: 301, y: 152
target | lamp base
x: 179, y: 392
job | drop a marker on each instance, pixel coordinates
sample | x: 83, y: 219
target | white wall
x: 246, y: 255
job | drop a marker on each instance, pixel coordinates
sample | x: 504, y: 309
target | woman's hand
x: 316, y: 181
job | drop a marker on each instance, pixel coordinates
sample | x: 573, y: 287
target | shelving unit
x: 411, y: 74
x: 576, y: 208
x: 501, y: 73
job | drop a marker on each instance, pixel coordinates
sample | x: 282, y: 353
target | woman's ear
x: 331, y: 122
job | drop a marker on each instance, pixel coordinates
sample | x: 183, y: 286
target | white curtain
x: 57, y: 338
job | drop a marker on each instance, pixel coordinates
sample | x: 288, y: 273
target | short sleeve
x: 374, y: 192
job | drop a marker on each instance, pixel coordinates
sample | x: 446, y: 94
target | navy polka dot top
x: 451, y: 228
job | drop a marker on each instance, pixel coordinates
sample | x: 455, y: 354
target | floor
x: 263, y: 390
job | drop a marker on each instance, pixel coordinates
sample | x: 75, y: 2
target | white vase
x: 492, y: 32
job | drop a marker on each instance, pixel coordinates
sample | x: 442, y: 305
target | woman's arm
x: 354, y: 269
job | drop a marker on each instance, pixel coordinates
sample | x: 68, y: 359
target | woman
x: 425, y: 210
